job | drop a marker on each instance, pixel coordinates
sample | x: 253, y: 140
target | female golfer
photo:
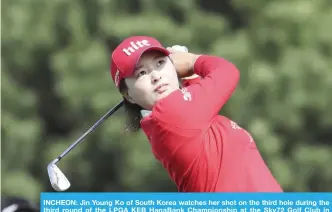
x: 175, y: 97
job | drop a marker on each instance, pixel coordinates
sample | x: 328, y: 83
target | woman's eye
x: 141, y: 73
x: 160, y: 62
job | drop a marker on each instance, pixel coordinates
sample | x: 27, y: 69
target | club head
x: 58, y: 180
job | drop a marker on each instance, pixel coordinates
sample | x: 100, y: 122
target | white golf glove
x: 183, y: 49
x: 180, y: 48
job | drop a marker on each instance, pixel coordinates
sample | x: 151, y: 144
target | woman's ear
x: 124, y: 91
x: 128, y: 98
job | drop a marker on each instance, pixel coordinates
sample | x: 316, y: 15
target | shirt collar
x: 145, y: 113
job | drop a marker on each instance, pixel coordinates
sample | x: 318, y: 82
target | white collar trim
x: 145, y: 113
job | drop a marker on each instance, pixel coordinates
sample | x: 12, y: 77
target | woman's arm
x: 196, y: 106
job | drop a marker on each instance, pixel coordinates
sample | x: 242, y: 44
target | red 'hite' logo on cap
x: 127, y: 54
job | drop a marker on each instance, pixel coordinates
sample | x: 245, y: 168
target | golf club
x: 58, y: 180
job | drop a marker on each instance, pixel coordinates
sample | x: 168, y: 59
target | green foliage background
x: 56, y: 84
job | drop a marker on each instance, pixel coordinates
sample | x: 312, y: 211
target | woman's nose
x: 155, y: 77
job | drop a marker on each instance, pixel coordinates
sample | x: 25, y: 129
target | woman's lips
x: 161, y: 88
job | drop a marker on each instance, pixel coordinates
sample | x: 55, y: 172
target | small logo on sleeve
x: 186, y: 94
x: 235, y: 126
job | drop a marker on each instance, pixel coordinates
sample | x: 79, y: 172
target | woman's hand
x: 183, y: 61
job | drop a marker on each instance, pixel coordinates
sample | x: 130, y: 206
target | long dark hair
x: 132, y: 111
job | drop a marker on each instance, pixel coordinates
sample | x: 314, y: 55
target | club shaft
x: 101, y: 120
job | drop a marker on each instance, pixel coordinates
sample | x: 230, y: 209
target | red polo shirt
x: 201, y: 150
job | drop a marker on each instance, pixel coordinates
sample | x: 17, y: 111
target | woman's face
x: 154, y: 78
